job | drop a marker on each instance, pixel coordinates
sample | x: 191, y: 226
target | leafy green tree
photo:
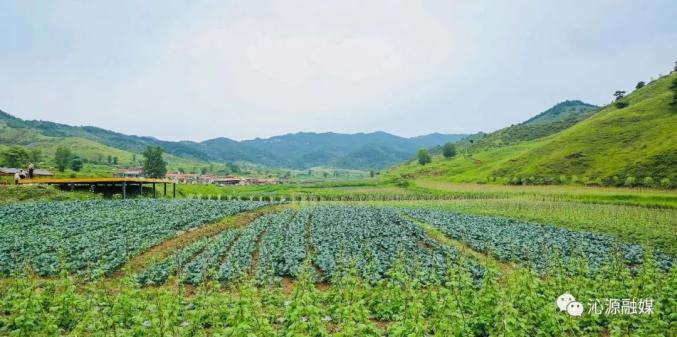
x: 154, y: 166
x: 110, y: 159
x: 371, y: 173
x: 640, y: 85
x: 203, y: 170
x: 76, y: 164
x: 424, y: 157
x: 619, y: 94
x: 115, y: 160
x: 36, y: 155
x: 14, y: 157
x: 630, y: 181
x: 62, y: 158
x: 449, y: 150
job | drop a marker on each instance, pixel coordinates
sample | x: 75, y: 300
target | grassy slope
x: 15, y: 194
x: 637, y: 140
x: 611, y: 142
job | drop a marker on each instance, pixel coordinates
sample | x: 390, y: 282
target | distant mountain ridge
x: 301, y: 150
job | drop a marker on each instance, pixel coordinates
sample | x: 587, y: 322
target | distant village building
x: 183, y: 178
x: 129, y: 173
x: 227, y: 181
x: 189, y: 178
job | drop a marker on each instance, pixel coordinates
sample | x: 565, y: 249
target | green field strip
x: 435, y: 234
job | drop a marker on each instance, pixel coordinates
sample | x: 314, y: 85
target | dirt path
x: 463, y: 249
x: 165, y: 248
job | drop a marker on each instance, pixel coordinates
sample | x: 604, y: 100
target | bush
x: 424, y: 157
x: 665, y: 182
x: 630, y: 181
x: 621, y: 105
x: 449, y: 150
x: 76, y: 164
x: 562, y: 179
x: 617, y: 181
x: 648, y: 181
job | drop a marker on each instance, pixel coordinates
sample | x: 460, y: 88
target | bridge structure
x: 124, y: 184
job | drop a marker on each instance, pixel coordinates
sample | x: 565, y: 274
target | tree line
x: 448, y: 151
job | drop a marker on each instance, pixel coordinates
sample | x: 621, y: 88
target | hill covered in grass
x: 630, y: 146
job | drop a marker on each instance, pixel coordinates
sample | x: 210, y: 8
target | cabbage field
x: 374, y: 237
x: 90, y: 237
x: 534, y: 244
x: 317, y: 269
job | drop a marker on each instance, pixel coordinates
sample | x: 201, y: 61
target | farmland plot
x: 371, y: 238
x: 536, y: 244
x: 374, y: 238
x: 283, y: 248
x: 97, y: 236
x: 196, y: 270
x: 240, y: 257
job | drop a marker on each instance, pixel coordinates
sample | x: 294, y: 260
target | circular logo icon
x: 575, y: 308
x: 564, y: 300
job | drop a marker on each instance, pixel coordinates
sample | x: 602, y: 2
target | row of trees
x: 617, y: 181
x: 18, y: 157
x: 448, y: 151
x: 64, y: 158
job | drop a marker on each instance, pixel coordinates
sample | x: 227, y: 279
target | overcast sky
x: 244, y: 69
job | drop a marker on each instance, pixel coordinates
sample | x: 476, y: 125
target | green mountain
x: 374, y: 150
x: 559, y: 117
x: 296, y: 151
x: 573, y: 141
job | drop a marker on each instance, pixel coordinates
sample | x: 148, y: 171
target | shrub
x: 617, y: 181
x: 424, y: 157
x: 665, y: 182
x: 630, y: 181
x: 562, y: 179
x: 621, y: 105
x: 648, y: 181
x: 449, y: 150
